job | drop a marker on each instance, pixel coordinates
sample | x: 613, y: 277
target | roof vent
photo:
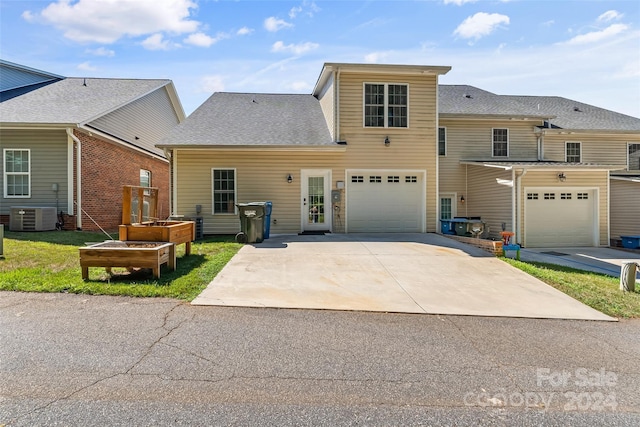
x: 468, y: 96
x: 84, y: 82
x: 577, y: 109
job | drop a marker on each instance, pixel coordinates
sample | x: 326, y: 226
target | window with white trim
x: 386, y: 105
x: 224, y: 191
x: 17, y: 173
x: 500, y: 143
x: 633, y: 161
x: 573, y: 152
x: 145, y: 178
x: 442, y: 141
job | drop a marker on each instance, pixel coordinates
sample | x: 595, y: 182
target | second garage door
x: 385, y: 201
x: 556, y: 218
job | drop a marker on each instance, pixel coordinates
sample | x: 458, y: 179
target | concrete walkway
x: 600, y: 260
x: 406, y: 273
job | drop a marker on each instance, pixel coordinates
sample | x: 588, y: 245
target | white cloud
x: 596, y: 36
x: 481, y: 24
x: 297, y: 49
x: 106, y: 21
x: 244, y: 31
x: 86, y: 66
x: 101, y: 51
x: 308, y: 7
x: 300, y: 86
x: 548, y: 23
x: 203, y: 40
x: 27, y: 15
x: 156, y: 42
x: 376, y: 57
x: 459, y: 2
x: 273, y: 24
x: 212, y: 83
x: 609, y: 16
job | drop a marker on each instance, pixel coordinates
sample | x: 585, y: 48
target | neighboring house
x: 16, y: 80
x: 538, y: 166
x: 357, y: 155
x: 72, y: 145
x: 384, y: 148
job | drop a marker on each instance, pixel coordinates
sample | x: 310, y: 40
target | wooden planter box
x: 140, y: 220
x: 161, y: 231
x: 114, y: 253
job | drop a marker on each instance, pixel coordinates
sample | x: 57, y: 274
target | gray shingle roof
x: 70, y: 101
x: 561, y: 112
x: 228, y: 119
x: 572, y: 114
x: 469, y: 100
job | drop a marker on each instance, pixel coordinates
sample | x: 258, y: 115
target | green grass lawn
x: 598, y: 291
x: 50, y: 262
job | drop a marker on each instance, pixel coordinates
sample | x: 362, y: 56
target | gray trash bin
x: 251, y: 223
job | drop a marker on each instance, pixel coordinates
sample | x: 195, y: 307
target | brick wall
x: 106, y: 167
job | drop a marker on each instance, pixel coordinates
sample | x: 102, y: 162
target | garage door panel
x: 385, y: 202
x: 559, y: 218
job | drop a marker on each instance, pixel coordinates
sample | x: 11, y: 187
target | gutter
x: 78, y: 178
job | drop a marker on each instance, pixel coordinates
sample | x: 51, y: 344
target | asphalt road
x: 77, y: 360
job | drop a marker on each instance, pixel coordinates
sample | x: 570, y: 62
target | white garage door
x: 560, y: 217
x: 385, y: 202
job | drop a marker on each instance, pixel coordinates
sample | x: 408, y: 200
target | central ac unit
x: 32, y: 219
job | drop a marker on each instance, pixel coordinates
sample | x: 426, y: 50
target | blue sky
x: 584, y: 50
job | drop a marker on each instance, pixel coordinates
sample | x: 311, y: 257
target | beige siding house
x: 385, y: 148
x: 358, y: 155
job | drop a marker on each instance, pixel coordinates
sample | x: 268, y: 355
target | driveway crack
x: 168, y: 331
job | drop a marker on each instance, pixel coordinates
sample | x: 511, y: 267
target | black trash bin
x: 251, y: 222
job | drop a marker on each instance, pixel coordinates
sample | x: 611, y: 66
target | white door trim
x: 304, y: 207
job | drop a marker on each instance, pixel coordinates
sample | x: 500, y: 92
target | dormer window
x: 386, y: 105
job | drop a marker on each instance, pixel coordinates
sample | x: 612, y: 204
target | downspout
x: 336, y: 94
x: 168, y: 154
x: 437, y: 153
x: 78, y: 178
x: 518, y: 204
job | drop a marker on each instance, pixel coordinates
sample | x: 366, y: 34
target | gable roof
x: 16, y: 79
x: 462, y: 100
x: 557, y: 112
x: 74, y: 101
x: 570, y: 114
x: 252, y: 119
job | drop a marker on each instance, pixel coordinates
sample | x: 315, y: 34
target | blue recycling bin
x: 268, y: 206
x: 446, y: 226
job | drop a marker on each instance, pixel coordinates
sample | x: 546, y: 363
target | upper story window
x: 500, y: 143
x: 386, y: 105
x: 573, y: 152
x: 17, y: 173
x: 633, y: 161
x: 442, y: 141
x: 224, y: 191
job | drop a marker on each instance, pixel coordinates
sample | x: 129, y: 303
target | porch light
x: 289, y: 179
x: 387, y: 142
x: 462, y: 199
x: 562, y: 177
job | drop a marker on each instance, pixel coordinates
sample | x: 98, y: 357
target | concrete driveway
x: 406, y: 273
x: 600, y: 260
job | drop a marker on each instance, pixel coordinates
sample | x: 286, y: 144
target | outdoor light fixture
x: 562, y: 177
x: 289, y: 179
x: 462, y: 199
x: 387, y: 142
